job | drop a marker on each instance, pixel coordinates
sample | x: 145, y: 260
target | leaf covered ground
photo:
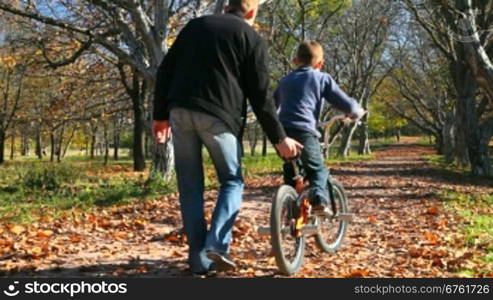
x: 404, y: 226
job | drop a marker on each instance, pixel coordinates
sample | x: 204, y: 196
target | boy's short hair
x: 243, y: 5
x: 310, y: 53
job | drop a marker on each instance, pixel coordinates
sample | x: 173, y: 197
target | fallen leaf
x: 359, y: 273
x: 415, y: 252
x: 432, y: 238
x: 442, y: 224
x: 142, y: 269
x: 44, y: 234
x: 433, y: 211
x: 437, y: 262
x: 75, y: 239
x: 177, y: 254
x: 16, y: 229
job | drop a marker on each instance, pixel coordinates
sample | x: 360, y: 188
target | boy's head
x: 249, y: 8
x: 310, y: 53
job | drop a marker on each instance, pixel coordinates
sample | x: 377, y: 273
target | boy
x: 299, y: 98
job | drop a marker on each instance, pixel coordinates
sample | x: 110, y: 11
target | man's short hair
x: 243, y: 5
x: 310, y: 53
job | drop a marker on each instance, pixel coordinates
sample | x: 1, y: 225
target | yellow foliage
x: 8, y: 61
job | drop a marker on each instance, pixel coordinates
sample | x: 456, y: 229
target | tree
x: 12, y: 76
x: 425, y: 93
x: 130, y: 33
x: 357, y: 43
x: 453, y: 27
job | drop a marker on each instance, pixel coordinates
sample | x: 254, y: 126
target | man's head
x: 310, y: 53
x: 249, y: 8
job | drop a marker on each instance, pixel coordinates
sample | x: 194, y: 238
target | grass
x: 30, y: 190
x: 476, y: 211
x: 439, y: 161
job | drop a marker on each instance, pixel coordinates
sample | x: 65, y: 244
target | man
x: 216, y: 63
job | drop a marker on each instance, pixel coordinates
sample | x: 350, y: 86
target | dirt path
x: 400, y: 230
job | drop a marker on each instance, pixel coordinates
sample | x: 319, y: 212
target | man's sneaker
x: 222, y: 261
x: 211, y: 272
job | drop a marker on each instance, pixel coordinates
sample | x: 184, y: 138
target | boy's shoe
x: 319, y: 205
x: 222, y: 261
x: 322, y: 211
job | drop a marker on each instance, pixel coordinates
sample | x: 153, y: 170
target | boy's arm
x: 334, y: 95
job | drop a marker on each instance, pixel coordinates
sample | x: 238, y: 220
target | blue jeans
x: 192, y: 130
x: 313, y: 163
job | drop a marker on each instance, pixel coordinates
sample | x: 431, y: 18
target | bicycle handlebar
x: 344, y: 118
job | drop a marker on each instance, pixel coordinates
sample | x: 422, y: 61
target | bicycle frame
x: 300, y: 225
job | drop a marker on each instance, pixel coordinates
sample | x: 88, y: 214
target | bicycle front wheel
x: 331, y: 229
x: 288, y: 249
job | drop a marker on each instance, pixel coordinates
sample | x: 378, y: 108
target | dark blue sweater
x: 300, y: 95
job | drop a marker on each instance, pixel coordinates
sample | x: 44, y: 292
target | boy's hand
x: 357, y: 115
x: 161, y: 131
x: 289, y: 148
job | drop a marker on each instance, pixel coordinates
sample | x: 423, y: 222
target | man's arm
x: 277, y: 98
x: 256, y: 90
x: 160, y: 125
x: 334, y: 95
x: 163, y: 80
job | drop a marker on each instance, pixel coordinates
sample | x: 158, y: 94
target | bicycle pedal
x: 345, y: 217
x: 325, y: 212
x: 309, y: 229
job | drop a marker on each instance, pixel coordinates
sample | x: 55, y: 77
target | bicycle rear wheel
x: 332, y: 230
x: 288, y: 249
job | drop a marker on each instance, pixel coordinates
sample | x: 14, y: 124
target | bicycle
x: 292, y: 220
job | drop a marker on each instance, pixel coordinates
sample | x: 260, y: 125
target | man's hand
x: 161, y: 131
x: 289, y: 148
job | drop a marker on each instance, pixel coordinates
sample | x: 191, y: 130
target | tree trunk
x: 106, y: 145
x: 25, y: 146
x: 479, y: 153
x: 147, y: 146
x: 93, y: 145
x: 347, y: 137
x: 448, y: 134
x: 364, y: 139
x: 466, y: 91
x: 2, y: 147
x: 440, y: 144
x: 139, y: 134
x: 116, y: 145
x: 264, y: 145
x: 52, y: 150
x: 12, y: 147
x: 39, y: 147
x: 254, y: 140
x: 69, y: 143
x: 59, y: 144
